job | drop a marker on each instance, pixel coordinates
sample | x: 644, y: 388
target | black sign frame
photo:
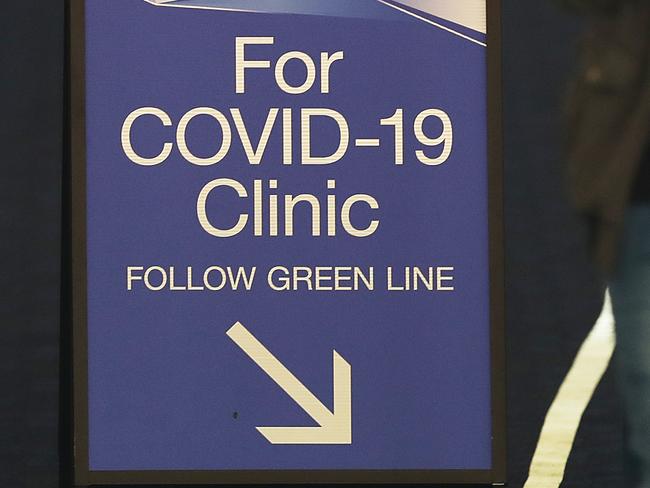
x: 74, y: 314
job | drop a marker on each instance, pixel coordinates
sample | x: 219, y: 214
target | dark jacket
x: 608, y: 117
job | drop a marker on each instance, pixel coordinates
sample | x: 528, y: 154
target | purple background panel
x: 164, y: 379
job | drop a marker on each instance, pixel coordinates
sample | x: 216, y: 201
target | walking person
x: 608, y: 143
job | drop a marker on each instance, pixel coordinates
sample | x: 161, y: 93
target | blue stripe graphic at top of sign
x: 439, y: 14
x: 335, y: 8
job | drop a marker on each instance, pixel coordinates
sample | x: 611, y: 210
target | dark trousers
x: 630, y: 292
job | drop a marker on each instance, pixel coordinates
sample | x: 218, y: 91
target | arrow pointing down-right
x: 334, y: 427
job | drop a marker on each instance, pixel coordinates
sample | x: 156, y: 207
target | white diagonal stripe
x: 468, y: 13
x: 435, y: 24
x: 563, y: 418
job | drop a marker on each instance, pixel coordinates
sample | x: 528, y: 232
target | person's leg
x: 630, y: 292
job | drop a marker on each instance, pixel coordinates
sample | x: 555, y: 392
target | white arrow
x: 334, y: 427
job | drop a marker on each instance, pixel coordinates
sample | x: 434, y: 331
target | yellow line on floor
x: 563, y: 418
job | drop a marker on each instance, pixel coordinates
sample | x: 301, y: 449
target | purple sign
x: 291, y: 242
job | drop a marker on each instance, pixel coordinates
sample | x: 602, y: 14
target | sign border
x: 74, y: 350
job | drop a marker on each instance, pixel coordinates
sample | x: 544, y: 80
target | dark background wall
x: 31, y: 87
x: 553, y: 298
